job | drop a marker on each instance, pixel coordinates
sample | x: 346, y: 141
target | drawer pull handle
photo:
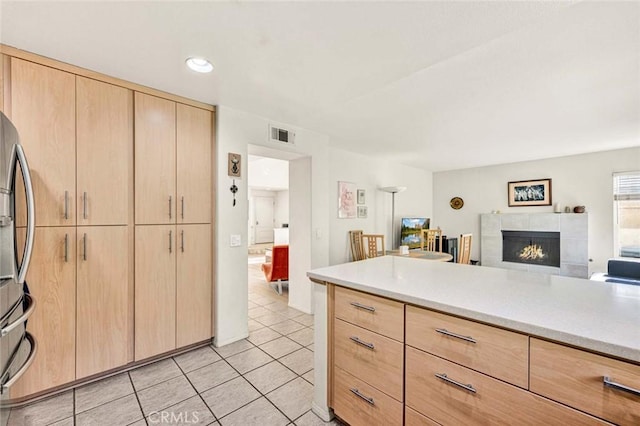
x: 365, y: 307
x: 457, y: 336
x: 444, y: 377
x: 357, y: 393
x: 607, y: 382
x: 360, y: 342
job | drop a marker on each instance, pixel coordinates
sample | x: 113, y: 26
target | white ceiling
x: 438, y: 85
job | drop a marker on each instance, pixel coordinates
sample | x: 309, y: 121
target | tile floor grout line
x: 215, y: 418
x: 137, y: 399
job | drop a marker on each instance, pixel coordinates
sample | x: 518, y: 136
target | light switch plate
x: 235, y: 240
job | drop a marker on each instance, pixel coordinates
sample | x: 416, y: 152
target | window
x: 626, y: 199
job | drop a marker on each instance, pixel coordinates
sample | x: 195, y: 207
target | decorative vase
x: 578, y: 209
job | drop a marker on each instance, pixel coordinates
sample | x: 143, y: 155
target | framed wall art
x: 346, y: 200
x: 362, y: 212
x: 361, y: 196
x: 529, y: 193
x: 234, y: 166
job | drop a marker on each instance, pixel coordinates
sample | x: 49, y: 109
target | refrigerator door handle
x: 25, y: 315
x: 31, y: 214
x: 32, y: 354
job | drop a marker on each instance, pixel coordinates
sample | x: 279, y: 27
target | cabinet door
x: 194, y: 293
x: 42, y: 107
x: 194, y: 139
x: 155, y: 160
x: 52, y: 282
x: 103, y: 332
x: 105, y: 153
x: 155, y: 293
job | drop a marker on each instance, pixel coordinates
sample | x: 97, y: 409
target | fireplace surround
x: 571, y: 227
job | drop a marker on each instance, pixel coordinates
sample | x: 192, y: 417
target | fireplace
x: 531, y: 247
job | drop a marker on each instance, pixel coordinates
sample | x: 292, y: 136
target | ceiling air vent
x: 281, y: 135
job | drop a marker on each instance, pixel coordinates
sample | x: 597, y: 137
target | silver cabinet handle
x: 66, y: 204
x: 31, y: 214
x: 66, y: 247
x: 170, y: 207
x: 444, y: 377
x: 32, y: 354
x: 84, y: 205
x: 365, y: 307
x: 360, y: 342
x: 182, y: 207
x: 182, y: 240
x: 457, y: 336
x: 31, y: 305
x: 357, y: 393
x: 170, y: 241
x: 607, y: 382
x: 84, y: 247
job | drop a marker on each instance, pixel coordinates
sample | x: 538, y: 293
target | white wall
x: 282, y: 208
x: 268, y: 173
x: 236, y: 132
x: 370, y: 174
x: 576, y: 180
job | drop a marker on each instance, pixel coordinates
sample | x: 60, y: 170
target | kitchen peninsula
x: 407, y: 341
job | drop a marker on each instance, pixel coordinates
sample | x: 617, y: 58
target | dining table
x: 423, y: 254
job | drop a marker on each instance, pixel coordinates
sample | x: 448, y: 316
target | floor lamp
x: 393, y: 190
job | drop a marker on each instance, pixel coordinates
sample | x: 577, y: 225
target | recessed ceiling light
x: 199, y: 65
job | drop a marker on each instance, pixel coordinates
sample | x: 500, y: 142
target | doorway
x: 268, y: 193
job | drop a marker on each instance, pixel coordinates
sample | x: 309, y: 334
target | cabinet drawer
x: 463, y: 396
x: 576, y: 378
x: 358, y: 403
x: 371, y: 357
x: 374, y: 313
x: 499, y: 353
x: 413, y: 418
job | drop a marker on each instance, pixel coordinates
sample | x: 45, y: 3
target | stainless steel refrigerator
x: 17, y: 346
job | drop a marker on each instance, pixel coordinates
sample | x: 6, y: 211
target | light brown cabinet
x: 104, y: 153
x: 155, y: 291
x: 194, y: 292
x: 194, y: 188
x: 52, y: 280
x: 104, y: 332
x: 428, y: 368
x: 367, y: 358
x: 81, y: 131
x: 155, y: 160
x: 173, y: 293
x: 577, y: 378
x: 172, y: 162
x: 41, y: 104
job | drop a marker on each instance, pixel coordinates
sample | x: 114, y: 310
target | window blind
x: 626, y: 186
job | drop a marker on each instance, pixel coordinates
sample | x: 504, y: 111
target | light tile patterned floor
x: 265, y: 380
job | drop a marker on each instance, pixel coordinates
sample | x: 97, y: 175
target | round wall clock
x: 456, y: 203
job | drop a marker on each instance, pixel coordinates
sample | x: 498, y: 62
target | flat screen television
x: 410, y: 231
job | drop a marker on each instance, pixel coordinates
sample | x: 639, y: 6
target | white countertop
x: 602, y: 317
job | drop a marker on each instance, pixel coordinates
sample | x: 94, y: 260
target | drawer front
x: 463, y: 396
x: 576, y: 378
x: 372, y: 358
x: 358, y: 403
x: 413, y: 418
x: 374, y: 313
x: 499, y: 353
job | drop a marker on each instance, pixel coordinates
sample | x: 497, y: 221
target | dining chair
x: 357, y: 249
x: 429, y: 238
x: 373, y: 245
x: 464, y: 249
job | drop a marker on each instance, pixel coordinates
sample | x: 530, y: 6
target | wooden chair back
x: 373, y: 245
x: 357, y: 249
x: 464, y: 249
x: 429, y: 238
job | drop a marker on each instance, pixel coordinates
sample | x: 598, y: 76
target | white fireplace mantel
x: 574, y: 240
